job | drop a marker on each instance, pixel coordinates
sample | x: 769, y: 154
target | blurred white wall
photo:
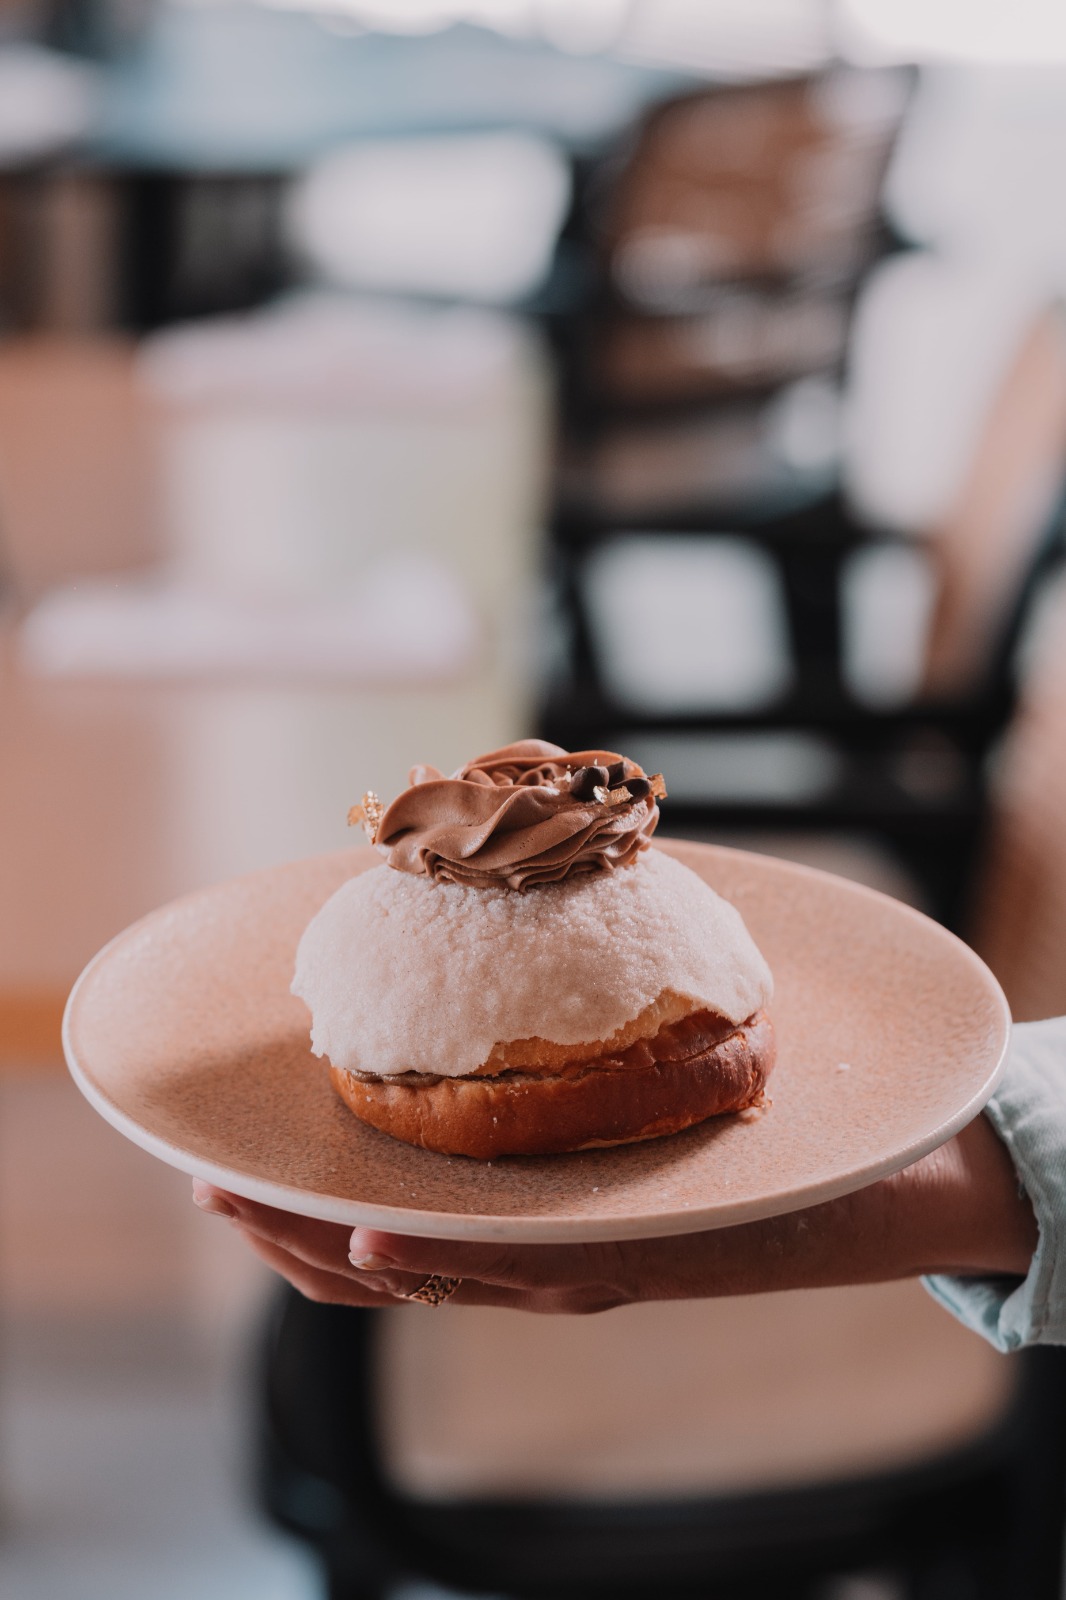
x: 474, y: 216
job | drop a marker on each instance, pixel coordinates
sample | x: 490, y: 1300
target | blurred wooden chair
x: 911, y: 770
x: 729, y: 239
x: 732, y: 233
x: 750, y: 1449
x: 718, y: 252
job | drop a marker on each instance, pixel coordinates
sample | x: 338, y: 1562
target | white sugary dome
x: 402, y: 974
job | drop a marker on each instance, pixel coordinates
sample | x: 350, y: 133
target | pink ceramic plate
x: 891, y: 1036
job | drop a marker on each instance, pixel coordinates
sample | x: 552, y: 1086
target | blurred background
x: 382, y: 381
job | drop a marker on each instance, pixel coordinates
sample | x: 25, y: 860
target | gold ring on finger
x: 434, y: 1291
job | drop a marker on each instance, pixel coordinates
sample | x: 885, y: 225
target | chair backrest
x: 772, y: 181
x: 729, y: 233
x: 680, y: 1399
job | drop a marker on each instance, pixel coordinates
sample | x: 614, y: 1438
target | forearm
x: 970, y: 1215
x: 956, y: 1211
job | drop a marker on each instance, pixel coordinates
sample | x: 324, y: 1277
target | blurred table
x: 117, y: 797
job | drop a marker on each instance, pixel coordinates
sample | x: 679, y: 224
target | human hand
x: 958, y: 1210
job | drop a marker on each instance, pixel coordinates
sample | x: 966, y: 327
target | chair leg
x: 342, y: 1586
x: 941, y: 1581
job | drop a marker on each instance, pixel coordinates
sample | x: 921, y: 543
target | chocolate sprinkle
x: 585, y: 782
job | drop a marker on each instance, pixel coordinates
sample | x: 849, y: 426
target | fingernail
x: 214, y: 1205
x: 371, y: 1263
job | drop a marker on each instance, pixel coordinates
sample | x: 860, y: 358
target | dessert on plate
x: 526, y: 973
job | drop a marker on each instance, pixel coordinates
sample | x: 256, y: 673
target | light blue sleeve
x: 1028, y: 1111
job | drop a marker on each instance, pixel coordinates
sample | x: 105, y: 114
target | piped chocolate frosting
x: 526, y: 814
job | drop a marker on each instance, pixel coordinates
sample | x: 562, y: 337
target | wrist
x: 968, y: 1215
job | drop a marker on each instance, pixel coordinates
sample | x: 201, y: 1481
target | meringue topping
x: 403, y: 975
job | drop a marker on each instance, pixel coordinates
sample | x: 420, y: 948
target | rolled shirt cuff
x: 1028, y: 1111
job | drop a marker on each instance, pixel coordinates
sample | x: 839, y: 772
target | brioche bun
x: 534, y: 1098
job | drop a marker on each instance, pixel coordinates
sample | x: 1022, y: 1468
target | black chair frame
x: 983, y: 1522
x: 938, y: 833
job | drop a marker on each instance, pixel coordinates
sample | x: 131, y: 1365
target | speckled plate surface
x: 891, y: 1036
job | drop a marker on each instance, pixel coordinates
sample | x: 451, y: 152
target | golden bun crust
x: 538, y: 1054
x: 700, y: 1066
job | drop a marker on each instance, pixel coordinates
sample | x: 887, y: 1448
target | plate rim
x: 571, y: 1228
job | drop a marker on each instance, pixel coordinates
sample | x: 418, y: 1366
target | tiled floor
x: 123, y: 1476
x: 127, y: 1328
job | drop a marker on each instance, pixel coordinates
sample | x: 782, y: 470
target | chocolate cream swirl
x: 510, y: 818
